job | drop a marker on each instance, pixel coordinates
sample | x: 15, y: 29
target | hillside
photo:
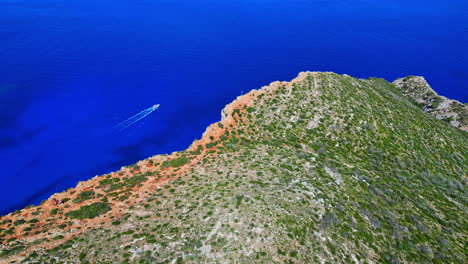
x: 325, y: 168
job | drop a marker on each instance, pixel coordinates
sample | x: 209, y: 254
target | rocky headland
x: 324, y: 168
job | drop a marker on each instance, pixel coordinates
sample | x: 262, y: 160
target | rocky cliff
x: 325, y: 168
x: 452, y: 111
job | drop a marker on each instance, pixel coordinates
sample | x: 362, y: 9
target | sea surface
x: 71, y: 70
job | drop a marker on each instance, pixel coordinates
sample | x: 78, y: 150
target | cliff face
x: 325, y: 167
x: 452, y: 111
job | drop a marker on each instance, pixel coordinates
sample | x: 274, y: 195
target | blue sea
x: 71, y: 70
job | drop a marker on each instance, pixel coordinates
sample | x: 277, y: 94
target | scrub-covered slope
x: 325, y: 168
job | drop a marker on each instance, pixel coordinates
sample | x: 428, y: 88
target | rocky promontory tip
x: 452, y: 111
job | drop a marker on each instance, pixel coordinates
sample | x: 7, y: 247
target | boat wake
x: 132, y: 120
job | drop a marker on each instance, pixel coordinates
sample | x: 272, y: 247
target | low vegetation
x: 89, y: 211
x: 176, y: 162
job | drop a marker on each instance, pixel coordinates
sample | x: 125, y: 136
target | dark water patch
x: 45, y: 191
x: 7, y: 140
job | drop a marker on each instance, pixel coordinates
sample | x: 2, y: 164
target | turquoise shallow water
x: 71, y: 70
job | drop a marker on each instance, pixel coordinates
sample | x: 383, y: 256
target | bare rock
x: 451, y: 111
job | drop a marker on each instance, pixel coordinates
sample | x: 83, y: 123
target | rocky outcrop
x: 452, y: 111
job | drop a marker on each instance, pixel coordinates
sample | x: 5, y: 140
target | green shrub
x: 4, y: 253
x: 86, y: 195
x: 195, y: 152
x: 115, y: 186
x: 123, y: 198
x: 89, y: 211
x: 6, y: 221
x: 175, y: 162
x: 59, y: 237
x: 436, y: 102
x: 132, y: 181
x: 238, y: 200
x: 128, y: 232
x: 210, y: 145
x: 19, y: 222
x: 16, y: 212
x: 105, y: 182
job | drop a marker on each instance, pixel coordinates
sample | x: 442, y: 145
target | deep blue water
x: 71, y: 70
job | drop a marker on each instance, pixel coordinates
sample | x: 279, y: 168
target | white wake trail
x: 132, y: 120
x: 136, y: 120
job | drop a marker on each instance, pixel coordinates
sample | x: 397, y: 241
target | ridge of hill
x: 324, y: 168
